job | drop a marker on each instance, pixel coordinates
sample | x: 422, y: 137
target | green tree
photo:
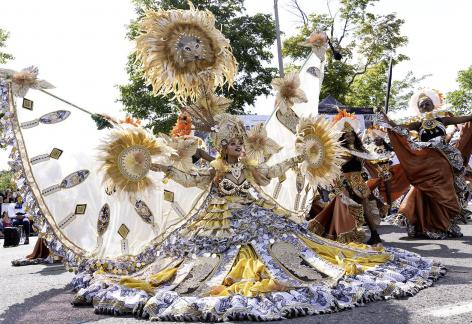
x: 4, y: 57
x: 461, y: 99
x: 6, y: 181
x: 366, y: 41
x: 250, y: 37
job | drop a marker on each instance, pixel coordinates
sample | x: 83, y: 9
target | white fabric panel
x: 78, y: 137
x: 311, y: 85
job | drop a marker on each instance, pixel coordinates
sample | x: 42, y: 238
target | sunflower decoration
x: 126, y: 157
x: 24, y: 80
x: 319, y: 143
x: 258, y: 145
x: 184, y: 147
x: 182, y: 52
x: 288, y: 91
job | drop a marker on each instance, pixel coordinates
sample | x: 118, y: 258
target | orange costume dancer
x: 436, y: 203
x: 342, y: 219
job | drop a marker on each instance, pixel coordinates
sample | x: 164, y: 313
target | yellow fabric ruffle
x: 349, y: 260
x: 154, y: 281
x: 248, y: 277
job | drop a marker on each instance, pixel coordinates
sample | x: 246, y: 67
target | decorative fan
x: 319, y: 143
x: 182, y: 52
x: 24, y: 80
x: 184, y: 148
x: 258, y: 145
x: 126, y: 157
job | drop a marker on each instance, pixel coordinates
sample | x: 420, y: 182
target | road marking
x: 449, y: 310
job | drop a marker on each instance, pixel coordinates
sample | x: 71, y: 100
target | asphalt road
x: 39, y: 294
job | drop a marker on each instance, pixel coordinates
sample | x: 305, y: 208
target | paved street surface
x: 39, y: 294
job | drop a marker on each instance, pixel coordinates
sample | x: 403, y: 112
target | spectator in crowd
x: 22, y: 220
x: 6, y: 222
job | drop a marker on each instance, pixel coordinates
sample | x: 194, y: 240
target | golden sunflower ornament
x: 288, y: 91
x: 319, y: 143
x: 126, y: 157
x: 182, y: 52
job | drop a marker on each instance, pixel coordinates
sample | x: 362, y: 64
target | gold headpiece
x: 228, y: 127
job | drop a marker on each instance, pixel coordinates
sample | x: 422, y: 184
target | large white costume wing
x: 282, y: 130
x: 55, y: 158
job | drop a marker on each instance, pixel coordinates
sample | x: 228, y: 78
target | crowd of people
x: 15, y: 222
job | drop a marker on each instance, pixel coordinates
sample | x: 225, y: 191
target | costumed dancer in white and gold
x: 199, y: 244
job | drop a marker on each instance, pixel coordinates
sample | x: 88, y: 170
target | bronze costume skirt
x: 343, y: 217
x: 398, y: 183
x: 432, y: 206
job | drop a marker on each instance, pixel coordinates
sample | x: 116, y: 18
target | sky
x: 81, y: 46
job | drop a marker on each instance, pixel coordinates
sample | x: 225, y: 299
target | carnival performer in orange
x: 436, y: 202
x: 344, y: 216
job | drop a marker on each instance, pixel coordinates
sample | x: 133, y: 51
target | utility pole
x: 279, y: 44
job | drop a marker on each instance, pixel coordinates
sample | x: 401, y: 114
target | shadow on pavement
x: 50, y: 306
x: 440, y: 250
x: 52, y: 269
x: 456, y: 275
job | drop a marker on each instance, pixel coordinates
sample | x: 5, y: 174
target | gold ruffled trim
x: 349, y: 260
x: 154, y: 281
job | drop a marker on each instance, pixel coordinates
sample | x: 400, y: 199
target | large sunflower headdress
x: 182, y: 52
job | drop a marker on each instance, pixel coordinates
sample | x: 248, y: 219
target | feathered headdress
x: 436, y: 97
x: 345, y: 121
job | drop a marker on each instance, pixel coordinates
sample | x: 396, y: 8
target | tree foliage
x: 460, y: 100
x: 6, y: 181
x: 366, y: 41
x: 4, y: 57
x: 250, y: 37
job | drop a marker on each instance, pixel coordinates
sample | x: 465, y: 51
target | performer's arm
x: 410, y: 126
x: 279, y: 169
x: 456, y: 120
x: 200, y: 179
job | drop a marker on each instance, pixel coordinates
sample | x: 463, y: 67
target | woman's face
x: 426, y: 105
x: 235, y: 148
x: 350, y: 138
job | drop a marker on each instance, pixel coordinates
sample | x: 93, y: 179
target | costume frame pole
x: 279, y: 43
